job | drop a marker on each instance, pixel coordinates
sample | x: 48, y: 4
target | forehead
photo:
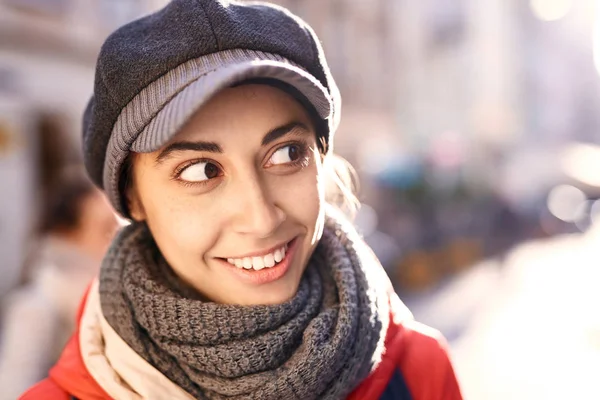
x: 243, y: 109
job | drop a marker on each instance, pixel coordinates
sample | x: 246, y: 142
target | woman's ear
x: 132, y: 199
x: 134, y: 205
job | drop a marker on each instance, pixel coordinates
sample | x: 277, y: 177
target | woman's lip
x: 265, y: 275
x: 261, y: 253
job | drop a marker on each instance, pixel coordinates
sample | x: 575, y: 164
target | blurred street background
x: 474, y: 127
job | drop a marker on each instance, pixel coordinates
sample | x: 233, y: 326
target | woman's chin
x: 278, y: 297
x: 278, y: 293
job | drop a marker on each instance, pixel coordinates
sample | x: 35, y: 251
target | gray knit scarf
x: 319, y: 345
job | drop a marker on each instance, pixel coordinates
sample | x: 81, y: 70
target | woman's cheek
x: 173, y: 220
x: 193, y: 228
x: 303, y: 195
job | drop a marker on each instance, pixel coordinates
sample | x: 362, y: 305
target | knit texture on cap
x: 144, y: 50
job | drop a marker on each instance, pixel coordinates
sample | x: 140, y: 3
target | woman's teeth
x: 258, y: 263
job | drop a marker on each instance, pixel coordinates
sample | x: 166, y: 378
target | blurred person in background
x: 77, y: 225
x: 211, y: 128
x: 57, y: 148
x: 42, y: 146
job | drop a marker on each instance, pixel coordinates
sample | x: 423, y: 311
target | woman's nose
x: 257, y: 213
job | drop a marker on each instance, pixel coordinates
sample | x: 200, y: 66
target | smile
x: 259, y: 262
x: 263, y: 267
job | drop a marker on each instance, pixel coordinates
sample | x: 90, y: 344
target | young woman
x: 211, y: 128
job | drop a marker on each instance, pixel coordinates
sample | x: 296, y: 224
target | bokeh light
x: 551, y: 10
x: 565, y: 203
x: 581, y: 162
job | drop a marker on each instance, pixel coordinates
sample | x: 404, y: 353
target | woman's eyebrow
x: 174, y: 147
x: 212, y: 147
x: 283, y: 130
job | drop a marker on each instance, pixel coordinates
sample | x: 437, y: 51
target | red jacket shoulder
x: 45, y: 390
x: 421, y: 356
x: 425, y: 363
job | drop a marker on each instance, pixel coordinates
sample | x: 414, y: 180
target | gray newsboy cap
x: 154, y: 73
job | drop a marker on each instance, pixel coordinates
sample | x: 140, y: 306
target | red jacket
x: 415, y: 355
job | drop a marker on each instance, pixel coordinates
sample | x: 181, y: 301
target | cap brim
x: 176, y: 111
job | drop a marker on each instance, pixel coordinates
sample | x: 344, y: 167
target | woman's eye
x: 286, y: 154
x: 198, y: 172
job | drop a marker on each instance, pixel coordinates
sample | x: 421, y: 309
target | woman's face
x: 234, y: 200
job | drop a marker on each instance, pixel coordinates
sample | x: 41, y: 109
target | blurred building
x: 495, y: 72
x: 455, y: 112
x: 417, y: 70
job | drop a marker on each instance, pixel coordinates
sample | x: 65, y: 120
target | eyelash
x: 304, y: 150
x: 179, y: 170
x: 302, y: 161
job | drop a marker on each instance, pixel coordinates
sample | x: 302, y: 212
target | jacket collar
x: 98, y: 361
